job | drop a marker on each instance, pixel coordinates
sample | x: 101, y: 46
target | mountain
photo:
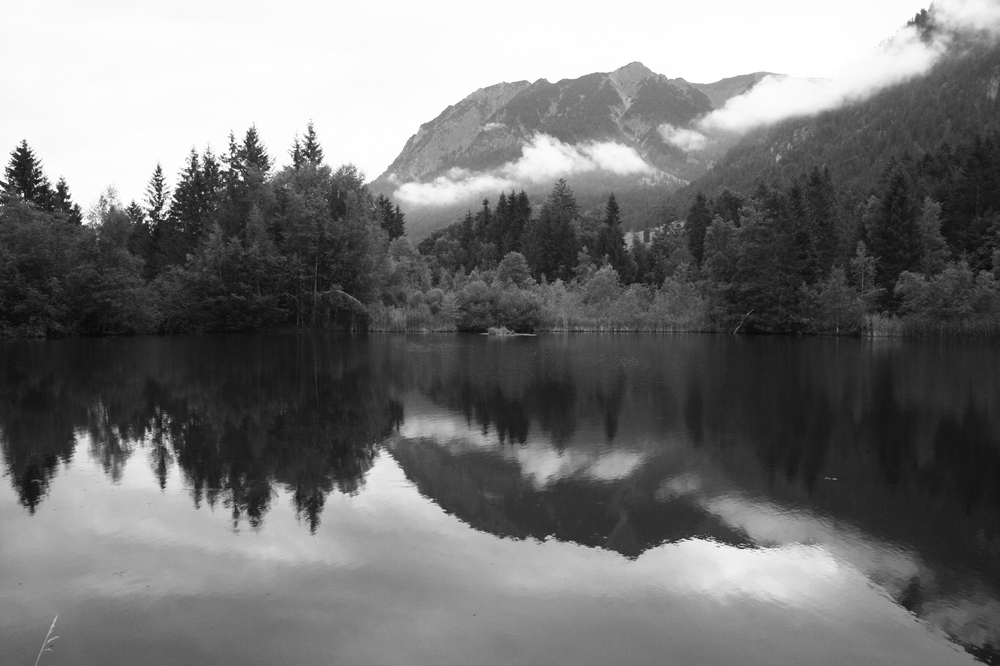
x: 488, y: 131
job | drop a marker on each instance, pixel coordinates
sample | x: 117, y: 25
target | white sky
x: 104, y: 89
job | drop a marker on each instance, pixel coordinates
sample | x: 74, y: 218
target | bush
x: 482, y: 307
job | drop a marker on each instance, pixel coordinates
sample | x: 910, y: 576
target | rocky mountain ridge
x: 628, y: 106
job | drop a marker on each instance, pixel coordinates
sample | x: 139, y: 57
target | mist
x: 904, y: 56
x: 543, y: 159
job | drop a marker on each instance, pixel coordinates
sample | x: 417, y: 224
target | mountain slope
x: 957, y: 98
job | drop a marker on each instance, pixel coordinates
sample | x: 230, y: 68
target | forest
x: 239, y: 244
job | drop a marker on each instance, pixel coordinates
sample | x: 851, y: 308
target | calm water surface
x: 468, y: 500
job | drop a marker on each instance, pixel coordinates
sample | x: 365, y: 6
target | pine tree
x: 141, y: 235
x: 390, y: 217
x: 295, y: 152
x: 819, y: 203
x: 727, y: 205
x: 698, y: 219
x: 24, y: 177
x: 242, y: 185
x: 553, y: 245
x: 252, y: 154
x: 157, y: 197
x: 311, y: 150
x: 611, y: 242
x: 63, y: 203
x: 186, y: 222
x: 895, y: 238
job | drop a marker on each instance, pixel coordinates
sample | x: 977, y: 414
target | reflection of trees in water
x: 901, y: 441
x: 235, y: 415
x: 38, y: 416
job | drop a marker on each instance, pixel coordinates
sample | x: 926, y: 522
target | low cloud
x: 455, y: 186
x: 902, y: 57
x: 686, y: 139
x: 775, y: 98
x: 543, y: 159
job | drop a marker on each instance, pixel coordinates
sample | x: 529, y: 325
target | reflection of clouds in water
x: 681, y: 485
x: 974, y: 620
x: 805, y: 560
x: 543, y: 465
x: 370, y: 561
x: 446, y: 429
x: 540, y: 462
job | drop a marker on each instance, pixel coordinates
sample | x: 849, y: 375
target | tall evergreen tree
x: 24, y: 178
x: 698, y: 220
x: 766, y: 292
x: 611, y: 242
x: 63, y: 203
x: 727, y: 205
x: 188, y: 217
x: 253, y: 155
x: 551, y: 240
x: 295, y: 152
x: 390, y: 217
x: 895, y: 237
x: 819, y: 203
x: 243, y: 184
x: 311, y: 150
x: 157, y: 197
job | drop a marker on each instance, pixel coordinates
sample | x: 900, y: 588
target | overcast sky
x: 104, y: 89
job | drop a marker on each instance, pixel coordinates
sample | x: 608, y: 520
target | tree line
x: 238, y: 244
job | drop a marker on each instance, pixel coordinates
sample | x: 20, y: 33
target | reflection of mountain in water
x: 489, y: 491
x: 236, y: 415
x: 887, y: 455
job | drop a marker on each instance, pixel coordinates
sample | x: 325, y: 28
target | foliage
x: 238, y: 245
x: 482, y: 306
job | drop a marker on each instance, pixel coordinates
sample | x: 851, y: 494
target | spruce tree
x: 63, y: 203
x: 24, y: 177
x: 698, y: 219
x: 295, y: 152
x: 252, y: 153
x: 390, y: 217
x: 895, y: 237
x: 553, y: 240
x: 819, y: 202
x: 311, y: 150
x: 157, y: 197
x: 611, y: 242
x: 186, y: 223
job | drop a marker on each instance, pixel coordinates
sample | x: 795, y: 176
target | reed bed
x: 395, y: 319
x: 979, y: 328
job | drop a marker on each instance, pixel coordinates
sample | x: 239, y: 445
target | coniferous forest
x: 239, y: 244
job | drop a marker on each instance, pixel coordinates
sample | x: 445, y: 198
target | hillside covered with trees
x: 957, y: 98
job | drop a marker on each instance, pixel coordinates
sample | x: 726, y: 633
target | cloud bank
x: 686, y: 139
x: 543, y: 159
x: 898, y: 59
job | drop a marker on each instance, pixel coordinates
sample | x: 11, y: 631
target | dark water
x: 468, y: 500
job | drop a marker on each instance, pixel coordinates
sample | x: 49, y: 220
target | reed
x: 971, y: 328
x: 47, y: 643
x: 405, y: 319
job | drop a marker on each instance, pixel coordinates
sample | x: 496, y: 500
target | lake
x: 446, y: 499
